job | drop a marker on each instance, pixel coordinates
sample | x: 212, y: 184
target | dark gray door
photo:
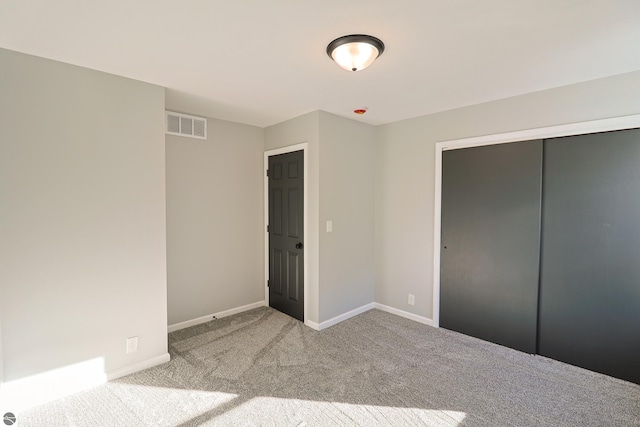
x: 590, y: 274
x: 286, y: 233
x: 490, y: 242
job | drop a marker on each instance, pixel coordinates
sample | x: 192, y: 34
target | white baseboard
x: 405, y: 314
x: 19, y: 395
x: 219, y: 315
x: 137, y: 367
x: 312, y: 325
x: 349, y: 314
x: 24, y: 393
x: 345, y: 316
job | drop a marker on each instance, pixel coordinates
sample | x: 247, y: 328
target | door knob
x: 299, y: 245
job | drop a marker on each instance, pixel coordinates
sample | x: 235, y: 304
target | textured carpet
x: 264, y: 368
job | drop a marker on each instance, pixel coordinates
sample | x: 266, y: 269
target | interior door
x: 286, y: 233
x: 590, y: 274
x: 490, y: 249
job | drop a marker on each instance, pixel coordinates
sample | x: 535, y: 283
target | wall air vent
x: 185, y: 125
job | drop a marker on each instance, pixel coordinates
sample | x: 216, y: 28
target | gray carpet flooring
x: 264, y: 368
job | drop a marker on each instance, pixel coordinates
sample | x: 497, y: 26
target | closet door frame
x: 580, y: 128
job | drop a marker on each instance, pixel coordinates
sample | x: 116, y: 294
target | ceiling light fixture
x: 355, y: 52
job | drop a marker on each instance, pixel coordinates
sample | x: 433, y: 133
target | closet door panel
x: 590, y: 269
x: 490, y: 242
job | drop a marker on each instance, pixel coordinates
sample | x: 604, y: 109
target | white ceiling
x: 263, y: 62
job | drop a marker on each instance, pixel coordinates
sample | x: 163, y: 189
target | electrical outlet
x: 132, y: 345
x: 412, y: 299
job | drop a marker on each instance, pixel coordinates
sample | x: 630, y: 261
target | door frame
x: 305, y: 254
x: 579, y: 128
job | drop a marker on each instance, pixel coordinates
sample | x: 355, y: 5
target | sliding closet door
x: 590, y: 272
x: 490, y: 242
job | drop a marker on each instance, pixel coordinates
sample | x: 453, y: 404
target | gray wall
x: 82, y: 168
x: 82, y: 217
x: 215, y: 238
x: 295, y: 131
x: 405, y: 171
x: 347, y: 163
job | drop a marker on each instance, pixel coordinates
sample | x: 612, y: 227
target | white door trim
x: 594, y: 126
x: 291, y: 148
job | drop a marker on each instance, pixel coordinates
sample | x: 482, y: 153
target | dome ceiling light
x: 355, y: 52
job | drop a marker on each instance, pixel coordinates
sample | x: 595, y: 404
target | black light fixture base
x: 356, y: 38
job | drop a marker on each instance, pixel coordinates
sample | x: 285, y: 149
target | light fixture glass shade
x: 355, y: 52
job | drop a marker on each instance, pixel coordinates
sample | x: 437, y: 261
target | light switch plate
x: 329, y: 226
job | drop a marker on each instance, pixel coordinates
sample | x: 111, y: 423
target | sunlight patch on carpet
x: 305, y: 412
x: 151, y: 403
